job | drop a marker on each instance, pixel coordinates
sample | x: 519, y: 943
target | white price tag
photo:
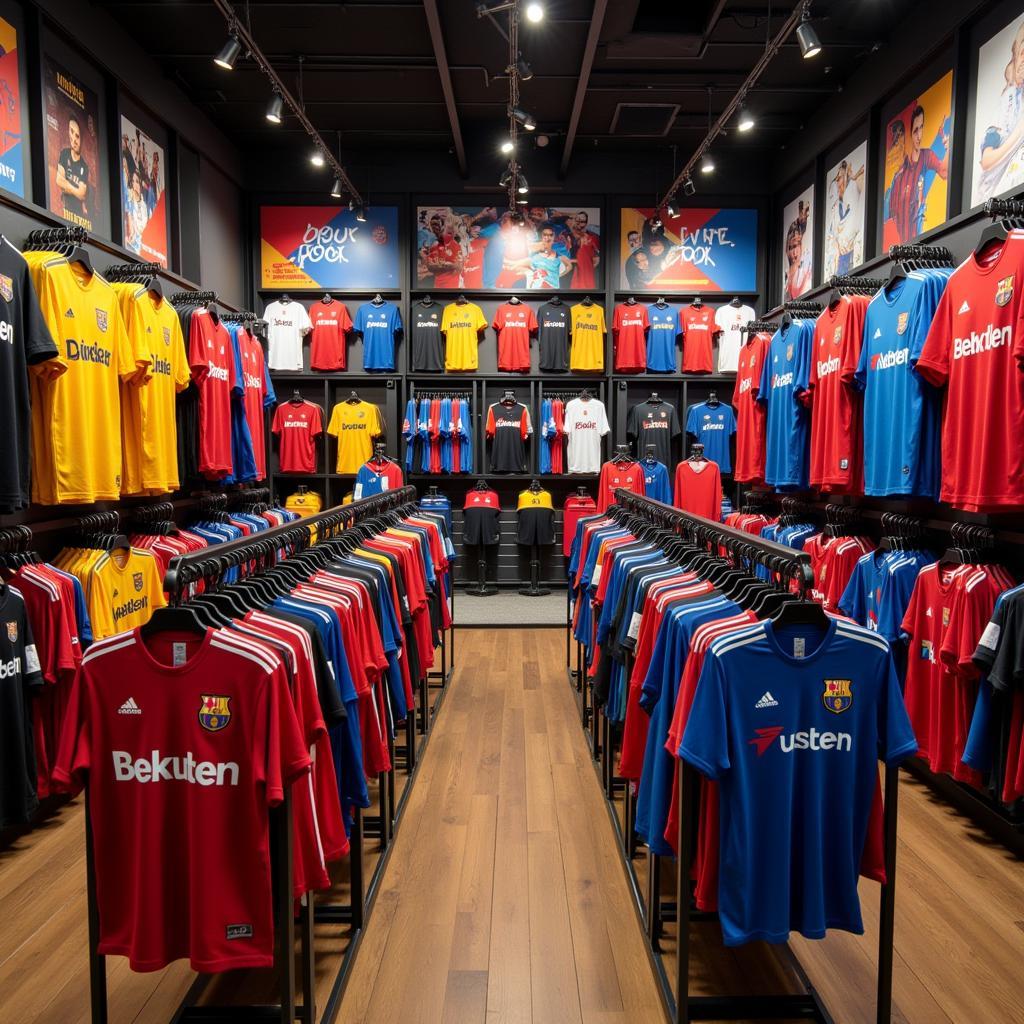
x: 634, y: 626
x: 990, y: 638
x: 31, y: 659
x: 597, y: 574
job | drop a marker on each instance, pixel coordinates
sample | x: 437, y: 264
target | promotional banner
x: 798, y: 245
x: 997, y: 157
x: 143, y: 196
x: 695, y: 251
x: 533, y: 247
x: 844, y: 213
x: 916, y: 141
x: 12, y: 165
x: 74, y: 166
x: 326, y: 247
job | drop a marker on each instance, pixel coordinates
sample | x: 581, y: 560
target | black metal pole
x: 887, y: 905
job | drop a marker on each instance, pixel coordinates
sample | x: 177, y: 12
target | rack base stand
x: 534, y: 589
x: 482, y: 588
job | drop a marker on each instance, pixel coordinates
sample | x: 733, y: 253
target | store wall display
x: 845, y: 213
x: 144, y: 215
x: 701, y: 250
x: 534, y: 247
x: 13, y: 117
x: 916, y: 142
x: 798, y: 245
x: 326, y: 247
x: 997, y: 153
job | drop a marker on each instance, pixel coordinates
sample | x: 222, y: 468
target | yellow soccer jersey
x: 531, y: 499
x: 588, y: 334
x: 76, y: 415
x: 355, y: 425
x: 305, y: 504
x: 123, y: 591
x: 461, y: 326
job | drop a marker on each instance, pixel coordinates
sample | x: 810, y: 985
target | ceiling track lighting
x: 810, y: 44
x: 707, y: 164
x: 360, y: 212
x: 535, y: 12
x: 522, y: 186
x: 317, y: 158
x: 744, y: 119
x: 228, y: 53
x: 689, y: 189
x: 508, y: 146
x: 522, y: 117
x: 336, y: 189
x: 275, y: 108
x: 671, y: 209
x: 506, y: 179
x: 524, y: 69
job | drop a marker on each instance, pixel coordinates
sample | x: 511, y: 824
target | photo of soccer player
x: 915, y: 186
x: 143, y: 204
x: 997, y: 156
x: 844, y: 213
x: 798, y: 245
x: 74, y: 166
x: 490, y: 247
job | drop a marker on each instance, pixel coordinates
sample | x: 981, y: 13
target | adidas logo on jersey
x: 158, y: 768
x: 810, y: 739
x: 965, y: 308
x: 878, y: 333
x: 129, y: 707
x: 984, y: 341
x: 69, y: 313
x: 767, y: 701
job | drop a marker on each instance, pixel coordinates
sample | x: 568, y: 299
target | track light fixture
x: 671, y: 208
x: 535, y: 12
x: 689, y: 189
x: 360, y: 212
x: 336, y: 189
x: 810, y: 44
x: 744, y: 119
x: 527, y: 120
x: 507, y: 146
x: 506, y: 179
x: 707, y: 164
x: 275, y: 108
x: 525, y: 71
x: 316, y: 158
x: 522, y: 187
x: 228, y: 54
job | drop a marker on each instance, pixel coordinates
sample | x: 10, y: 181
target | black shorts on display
x: 536, y: 526
x: 480, y: 526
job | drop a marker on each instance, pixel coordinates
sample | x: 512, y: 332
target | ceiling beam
x: 593, y: 35
x: 445, y: 73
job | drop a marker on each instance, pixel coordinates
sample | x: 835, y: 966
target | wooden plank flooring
x: 505, y: 901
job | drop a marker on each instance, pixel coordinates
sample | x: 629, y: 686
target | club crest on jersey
x: 214, y: 712
x: 789, y: 352
x: 6, y: 287
x: 837, y: 335
x: 12, y: 632
x: 1004, y: 291
x: 836, y: 696
x: 137, y: 580
x: 101, y: 319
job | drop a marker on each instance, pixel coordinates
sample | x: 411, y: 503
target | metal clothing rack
x: 683, y: 1007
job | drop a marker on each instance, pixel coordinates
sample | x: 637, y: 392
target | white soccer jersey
x: 287, y: 322
x: 729, y: 319
x: 585, y: 424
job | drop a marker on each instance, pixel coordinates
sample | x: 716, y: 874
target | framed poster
x: 997, y: 153
x: 532, y: 247
x: 845, y: 183
x: 915, y: 140
x: 14, y: 147
x: 698, y: 250
x: 798, y: 245
x: 325, y: 247
x: 144, y: 206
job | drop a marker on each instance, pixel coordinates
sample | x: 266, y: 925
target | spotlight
x: 521, y: 186
x: 535, y: 12
x: 525, y: 71
x: 336, y: 189
x: 689, y: 188
x: 671, y: 208
x: 275, y: 108
x: 522, y: 202
x: 360, y: 213
x: 505, y: 180
x: 228, y: 54
x: 316, y: 158
x: 744, y: 120
x: 810, y: 44
x: 707, y: 165
x: 507, y: 146
x: 527, y: 120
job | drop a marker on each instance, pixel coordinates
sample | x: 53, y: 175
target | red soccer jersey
x: 976, y: 346
x: 186, y: 743
x: 514, y: 322
x: 698, y: 488
x: 837, y: 449
x: 629, y: 330
x: 256, y: 398
x: 331, y: 323
x: 629, y: 475
x: 213, y: 369
x: 445, y: 251
x: 576, y: 507
x: 750, y: 414
x: 473, y: 268
x: 298, y: 425
x: 697, y: 326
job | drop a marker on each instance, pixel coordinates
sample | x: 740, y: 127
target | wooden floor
x: 505, y: 900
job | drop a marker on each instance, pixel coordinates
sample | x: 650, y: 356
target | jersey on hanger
x: 379, y: 325
x: 508, y: 427
x: 697, y: 326
x: 657, y: 484
x: 629, y: 331
x: 554, y: 321
x: 713, y: 426
x: 729, y: 323
x: 297, y: 425
x: 588, y: 333
x: 698, y: 488
x: 331, y: 324
x: 628, y: 475
x: 213, y: 370
x: 585, y: 424
x: 514, y: 322
x: 575, y: 508
x: 356, y: 425
x: 287, y: 324
x: 376, y: 478
x: 661, y: 338
x: 653, y: 423
x: 480, y: 518
x: 461, y: 325
x: 259, y: 395
x: 784, y: 379
x: 427, y: 344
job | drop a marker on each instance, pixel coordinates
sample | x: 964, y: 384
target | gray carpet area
x: 510, y: 608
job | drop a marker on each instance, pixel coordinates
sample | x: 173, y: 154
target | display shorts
x: 536, y: 526
x: 480, y: 526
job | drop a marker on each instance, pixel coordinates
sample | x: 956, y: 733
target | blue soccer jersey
x: 713, y: 426
x: 378, y: 325
x: 902, y: 412
x: 661, y: 338
x: 656, y: 481
x: 797, y: 765
x: 784, y: 378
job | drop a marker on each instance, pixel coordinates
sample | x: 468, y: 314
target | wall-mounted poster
x: 12, y: 148
x: 326, y: 247
x: 143, y: 194
x: 798, y: 245
x: 74, y: 164
x: 997, y: 156
x: 532, y: 247
x: 915, y: 184
x: 698, y: 250
x: 844, y: 213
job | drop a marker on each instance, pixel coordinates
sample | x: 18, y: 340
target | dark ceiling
x: 371, y: 79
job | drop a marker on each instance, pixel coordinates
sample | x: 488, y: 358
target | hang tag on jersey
x: 990, y: 638
x: 31, y: 659
x: 634, y: 625
x: 597, y: 574
x: 799, y: 647
x: 179, y: 654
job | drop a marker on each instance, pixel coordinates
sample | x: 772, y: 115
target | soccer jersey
x: 629, y: 330
x: 661, y: 338
x: 427, y: 344
x: 379, y: 324
x: 514, y: 322
x: 125, y: 588
x: 331, y: 322
x: 575, y: 508
x: 975, y: 348
x: 376, y: 478
x: 784, y: 378
x: 185, y: 743
x: 535, y: 518
x: 585, y: 424
x: 697, y: 326
x: 258, y: 397
x: 657, y: 484
x: 713, y: 426
x: 287, y: 324
x: 303, y: 503
x: 461, y: 325
x: 901, y: 410
x: 297, y: 425
x: 836, y: 443
x: 653, y: 423
x: 554, y: 320
x: 213, y: 369
x: 729, y: 323
x: 508, y: 427
x: 588, y: 331
x: 698, y: 488
x: 356, y: 425
x: 481, y: 518
x: 629, y: 475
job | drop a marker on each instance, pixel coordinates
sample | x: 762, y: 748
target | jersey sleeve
x: 283, y: 757
x: 305, y: 324
x: 74, y: 749
x: 601, y: 325
x: 531, y: 320
x: 378, y: 427
x: 602, y: 421
x: 133, y: 360
x: 360, y: 323
x: 269, y: 394
x: 37, y: 341
x: 932, y: 362
x: 802, y: 375
x: 334, y: 426
x: 525, y: 426
x: 499, y: 318
x: 275, y: 426
x: 632, y: 427
x: 706, y: 740
x: 490, y: 422
x: 692, y: 424
x: 730, y: 421
x: 859, y: 377
x: 896, y: 738
x: 853, y: 342
x: 198, y: 350
x: 673, y: 422
x: 764, y: 384
x: 479, y: 322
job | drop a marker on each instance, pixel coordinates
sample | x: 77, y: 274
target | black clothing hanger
x: 697, y: 302
x: 655, y: 399
x: 353, y: 398
x: 181, y: 618
x: 509, y: 398
x: 735, y: 301
x: 426, y: 301
x: 555, y: 300
x: 296, y: 398
x: 535, y: 487
x: 713, y: 400
x: 482, y: 485
x: 285, y: 298
x: 660, y: 302
x: 461, y: 300
x: 513, y: 300
x: 377, y: 300
x: 631, y: 301
x: 587, y: 300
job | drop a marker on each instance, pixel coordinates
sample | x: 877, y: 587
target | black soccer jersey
x: 554, y: 322
x: 24, y: 339
x: 481, y: 522
x: 508, y: 427
x: 427, y: 340
x: 653, y: 423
